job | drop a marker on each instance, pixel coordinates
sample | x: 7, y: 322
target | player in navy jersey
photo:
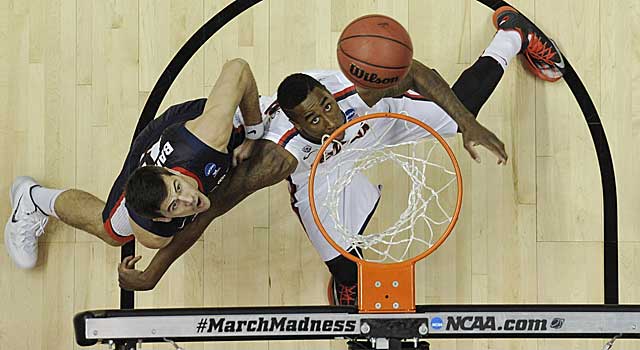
x: 177, y: 173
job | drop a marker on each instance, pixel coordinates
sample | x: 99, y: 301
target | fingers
x: 497, y: 148
x: 128, y: 262
x: 470, y: 147
x: 499, y: 151
x: 490, y: 142
x: 123, y: 264
x: 132, y: 263
x: 234, y: 159
x: 240, y: 154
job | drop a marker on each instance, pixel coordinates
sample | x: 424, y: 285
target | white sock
x: 504, y: 47
x: 45, y: 199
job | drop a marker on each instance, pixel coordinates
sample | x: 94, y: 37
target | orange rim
x: 332, y: 137
x: 386, y: 288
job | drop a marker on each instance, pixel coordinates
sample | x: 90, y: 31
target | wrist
x: 254, y: 132
x: 148, y: 280
x: 466, y: 121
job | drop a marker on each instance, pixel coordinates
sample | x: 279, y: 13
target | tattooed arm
x: 268, y: 165
x: 428, y: 83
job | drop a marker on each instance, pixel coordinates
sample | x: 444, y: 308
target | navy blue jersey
x: 166, y: 142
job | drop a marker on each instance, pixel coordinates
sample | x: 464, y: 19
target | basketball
x: 375, y: 51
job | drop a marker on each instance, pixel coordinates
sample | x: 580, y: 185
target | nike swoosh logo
x: 559, y: 65
x: 251, y: 132
x: 15, y: 211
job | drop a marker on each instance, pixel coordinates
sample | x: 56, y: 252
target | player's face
x: 184, y: 198
x: 317, y: 115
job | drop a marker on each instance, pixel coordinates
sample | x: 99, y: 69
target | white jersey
x: 360, y: 196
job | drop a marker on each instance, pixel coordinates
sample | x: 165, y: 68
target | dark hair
x: 145, y: 190
x: 294, y: 89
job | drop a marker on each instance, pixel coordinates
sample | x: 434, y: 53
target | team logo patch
x: 211, y: 169
x: 436, y: 323
x: 350, y: 114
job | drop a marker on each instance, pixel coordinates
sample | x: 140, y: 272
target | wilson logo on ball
x: 361, y: 74
x: 374, y: 52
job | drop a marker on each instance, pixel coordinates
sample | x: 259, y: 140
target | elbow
x: 284, y: 163
x: 241, y: 70
x: 237, y: 61
x: 237, y: 64
x: 288, y: 167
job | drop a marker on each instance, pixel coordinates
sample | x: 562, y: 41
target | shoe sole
x: 499, y: 11
x: 537, y: 72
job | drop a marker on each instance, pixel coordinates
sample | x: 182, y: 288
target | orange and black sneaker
x: 340, y: 294
x: 542, y: 55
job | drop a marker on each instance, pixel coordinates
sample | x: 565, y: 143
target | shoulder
x: 147, y: 238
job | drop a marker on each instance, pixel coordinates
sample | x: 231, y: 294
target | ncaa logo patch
x: 211, y: 169
x: 436, y: 323
x: 350, y: 114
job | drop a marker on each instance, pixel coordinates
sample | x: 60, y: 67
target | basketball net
x: 386, y: 257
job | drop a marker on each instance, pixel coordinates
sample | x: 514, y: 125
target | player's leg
x: 515, y: 35
x: 76, y: 208
x: 83, y: 211
x: 360, y: 199
x: 33, y: 205
x: 343, y: 284
x: 473, y: 88
x: 476, y: 84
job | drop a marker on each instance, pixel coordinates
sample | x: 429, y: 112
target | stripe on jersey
x: 288, y: 136
x: 344, y: 93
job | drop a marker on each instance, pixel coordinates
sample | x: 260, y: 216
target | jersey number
x: 157, y: 156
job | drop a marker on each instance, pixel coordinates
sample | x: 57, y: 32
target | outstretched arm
x: 428, y: 83
x: 235, y: 87
x: 268, y: 165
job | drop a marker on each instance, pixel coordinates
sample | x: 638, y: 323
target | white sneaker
x: 25, y: 225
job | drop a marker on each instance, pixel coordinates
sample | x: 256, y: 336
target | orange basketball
x: 375, y: 51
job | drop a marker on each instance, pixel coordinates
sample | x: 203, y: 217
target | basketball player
x: 172, y: 170
x: 313, y: 105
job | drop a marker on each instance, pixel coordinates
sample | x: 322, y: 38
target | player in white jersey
x: 316, y: 104
x: 349, y: 102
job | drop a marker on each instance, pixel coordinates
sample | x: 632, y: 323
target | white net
x: 418, y: 173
